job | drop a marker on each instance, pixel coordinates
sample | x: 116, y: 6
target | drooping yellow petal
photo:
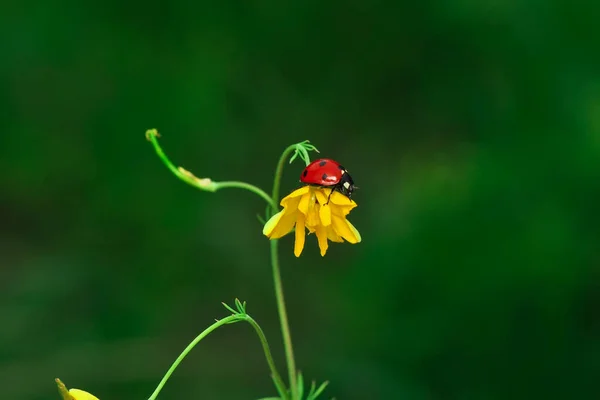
x: 294, y: 195
x: 82, y: 395
x: 322, y: 238
x: 272, y: 223
x: 341, y: 200
x: 355, y: 231
x: 341, y: 211
x: 312, y: 218
x: 321, y: 195
x: 291, y: 203
x: 300, y: 235
x: 325, y: 214
x: 307, y: 202
x: 334, y: 237
x: 280, y: 224
x: 345, y: 229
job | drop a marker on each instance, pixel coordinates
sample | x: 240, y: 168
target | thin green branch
x: 278, y: 173
x: 236, y: 317
x: 263, y: 340
x: 184, y: 353
x: 283, y: 319
x: 202, y: 183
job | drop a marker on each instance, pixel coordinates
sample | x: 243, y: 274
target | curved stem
x: 202, y: 183
x: 184, y: 353
x: 228, y: 320
x: 263, y: 340
x: 278, y: 173
x: 247, y: 186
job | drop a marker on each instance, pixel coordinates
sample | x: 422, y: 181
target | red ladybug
x: 330, y: 174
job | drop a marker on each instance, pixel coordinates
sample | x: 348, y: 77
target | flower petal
x: 280, y: 224
x: 296, y: 193
x: 322, y: 238
x: 341, y: 200
x: 299, y: 243
x: 334, y: 237
x: 304, y: 204
x: 272, y: 223
x: 341, y: 211
x: 355, y: 231
x: 321, y: 196
x: 312, y: 218
x: 291, y: 203
x: 325, y: 215
x: 345, y: 229
x: 82, y: 395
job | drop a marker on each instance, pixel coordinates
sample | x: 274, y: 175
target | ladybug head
x: 346, y: 185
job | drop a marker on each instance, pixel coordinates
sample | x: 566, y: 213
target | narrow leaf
x: 281, y: 390
x: 261, y: 219
x: 238, y: 305
x: 229, y: 308
x: 305, y: 156
x: 300, y: 385
x: 313, y: 386
x: 319, y: 390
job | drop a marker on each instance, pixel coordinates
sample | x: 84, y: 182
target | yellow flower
x: 309, y: 208
x: 73, y: 394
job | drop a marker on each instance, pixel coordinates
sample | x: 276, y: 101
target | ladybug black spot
x: 305, y: 173
x: 324, y: 177
x: 322, y: 163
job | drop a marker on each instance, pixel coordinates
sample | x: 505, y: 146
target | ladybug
x: 330, y: 174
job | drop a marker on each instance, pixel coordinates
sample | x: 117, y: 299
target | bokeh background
x: 471, y: 127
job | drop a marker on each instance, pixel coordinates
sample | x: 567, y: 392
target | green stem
x: 278, y: 173
x: 247, y: 186
x: 285, y: 328
x: 228, y: 320
x: 203, y: 183
x: 224, y: 321
x: 263, y: 340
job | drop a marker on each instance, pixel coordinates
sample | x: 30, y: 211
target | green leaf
x: 261, y: 219
x: 305, y: 156
x: 281, y: 390
x: 229, y: 308
x: 241, y: 307
x: 300, y: 385
x: 301, y: 149
x: 318, y: 391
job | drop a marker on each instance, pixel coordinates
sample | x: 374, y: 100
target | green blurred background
x: 471, y: 127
